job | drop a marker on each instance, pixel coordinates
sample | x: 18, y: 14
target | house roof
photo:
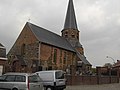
x: 117, y: 64
x: 70, y: 21
x: 50, y: 38
x: 1, y: 46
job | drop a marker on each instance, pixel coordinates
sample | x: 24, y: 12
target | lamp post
x: 111, y: 58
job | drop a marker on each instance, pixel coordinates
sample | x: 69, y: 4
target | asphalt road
x: 95, y: 87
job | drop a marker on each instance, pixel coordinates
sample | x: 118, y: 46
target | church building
x: 38, y: 49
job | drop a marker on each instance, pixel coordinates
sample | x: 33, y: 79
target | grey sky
x: 98, y: 22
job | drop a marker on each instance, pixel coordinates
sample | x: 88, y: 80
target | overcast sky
x: 98, y: 22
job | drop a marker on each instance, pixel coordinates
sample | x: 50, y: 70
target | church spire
x: 70, y: 22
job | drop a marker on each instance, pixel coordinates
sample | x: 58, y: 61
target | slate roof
x: 83, y: 58
x: 1, y: 45
x: 70, y: 22
x: 50, y: 38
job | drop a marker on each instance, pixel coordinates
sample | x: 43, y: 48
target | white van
x: 53, y: 79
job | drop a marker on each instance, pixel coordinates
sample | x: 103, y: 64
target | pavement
x: 115, y: 86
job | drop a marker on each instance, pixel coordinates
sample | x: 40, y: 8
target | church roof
x: 83, y: 58
x: 70, y: 22
x: 50, y: 38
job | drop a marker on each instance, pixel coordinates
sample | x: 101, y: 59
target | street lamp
x: 111, y: 58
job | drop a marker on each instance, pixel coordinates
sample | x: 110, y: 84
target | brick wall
x: 64, y: 58
x: 91, y: 80
x: 99, y: 78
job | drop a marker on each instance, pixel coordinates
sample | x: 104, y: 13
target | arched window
x: 66, y: 32
x: 77, y: 35
x: 66, y: 36
x: 23, y: 50
x: 73, y: 35
x: 65, y: 57
x: 55, y: 56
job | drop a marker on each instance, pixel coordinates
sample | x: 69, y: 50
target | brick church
x: 39, y: 49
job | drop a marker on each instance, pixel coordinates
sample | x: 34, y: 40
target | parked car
x: 53, y: 79
x: 20, y: 81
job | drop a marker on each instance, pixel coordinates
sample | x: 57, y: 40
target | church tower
x: 70, y: 31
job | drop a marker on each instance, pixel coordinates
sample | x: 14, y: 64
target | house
x: 37, y: 48
x: 3, y: 58
x: 117, y: 67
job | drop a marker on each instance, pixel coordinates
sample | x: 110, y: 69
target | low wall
x: 91, y: 80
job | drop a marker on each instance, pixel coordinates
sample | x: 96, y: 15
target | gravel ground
x: 95, y: 87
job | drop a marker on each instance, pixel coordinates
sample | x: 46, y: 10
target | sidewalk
x: 95, y: 87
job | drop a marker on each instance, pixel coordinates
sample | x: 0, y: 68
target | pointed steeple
x: 70, y: 22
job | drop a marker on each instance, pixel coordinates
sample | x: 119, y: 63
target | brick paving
x: 95, y: 87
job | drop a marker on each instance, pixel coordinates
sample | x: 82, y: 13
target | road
x: 95, y: 87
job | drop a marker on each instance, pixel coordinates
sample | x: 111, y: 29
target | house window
x: 55, y: 56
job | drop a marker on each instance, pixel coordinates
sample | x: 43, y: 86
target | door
x: 60, y: 79
x: 35, y: 83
